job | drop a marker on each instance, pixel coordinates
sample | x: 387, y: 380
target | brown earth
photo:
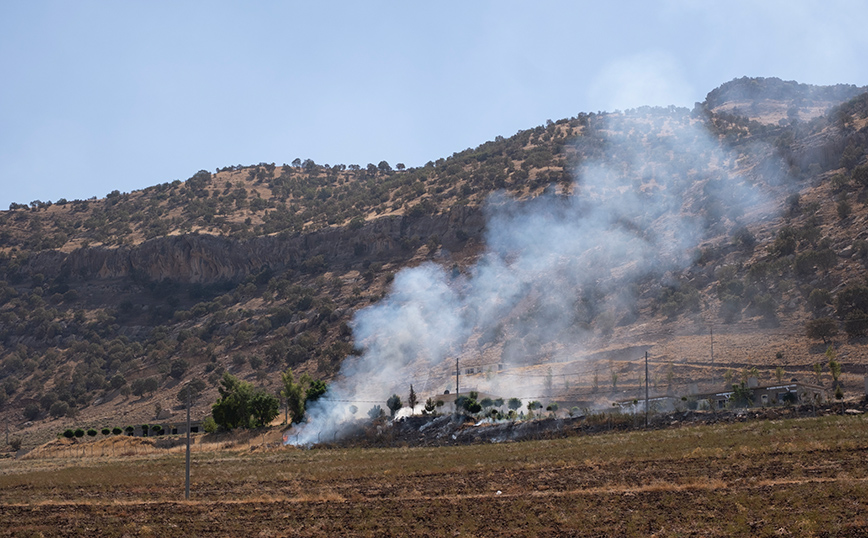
x: 769, y: 478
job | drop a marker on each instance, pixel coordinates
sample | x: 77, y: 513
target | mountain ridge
x: 255, y: 269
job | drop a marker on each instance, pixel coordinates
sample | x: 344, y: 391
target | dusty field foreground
x: 801, y: 477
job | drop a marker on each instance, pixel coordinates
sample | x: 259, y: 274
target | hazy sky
x: 96, y: 96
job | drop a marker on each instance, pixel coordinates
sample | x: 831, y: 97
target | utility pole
x: 187, y: 481
x: 646, y: 389
x: 711, y: 332
x: 456, y: 377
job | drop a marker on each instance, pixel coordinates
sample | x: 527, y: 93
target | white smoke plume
x: 555, y: 268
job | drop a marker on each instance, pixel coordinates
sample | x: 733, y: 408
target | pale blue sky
x: 96, y: 96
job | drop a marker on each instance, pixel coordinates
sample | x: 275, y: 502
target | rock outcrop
x: 200, y: 258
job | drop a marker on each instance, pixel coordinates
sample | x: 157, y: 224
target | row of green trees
x: 469, y: 403
x: 156, y: 429
x: 241, y: 405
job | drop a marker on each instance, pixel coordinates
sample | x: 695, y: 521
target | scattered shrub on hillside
x: 744, y: 239
x: 844, y: 209
x: 59, y: 409
x: 195, y: 386
x: 92, y: 432
x: 785, y: 242
x: 179, y: 368
x: 856, y: 323
x: 31, y: 411
x: 819, y: 298
x: 79, y: 433
x: 68, y: 433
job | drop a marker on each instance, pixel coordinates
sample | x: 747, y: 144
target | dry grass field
x: 801, y: 477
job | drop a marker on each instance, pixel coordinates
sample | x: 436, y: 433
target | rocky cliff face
x: 208, y: 259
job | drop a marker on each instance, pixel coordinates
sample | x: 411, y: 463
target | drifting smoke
x: 556, y: 268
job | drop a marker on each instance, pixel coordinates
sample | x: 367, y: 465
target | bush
x: 117, y: 431
x: 196, y: 386
x: 117, y: 381
x: 68, y: 433
x: 58, y: 409
x: 819, y: 298
x: 744, y: 239
x: 856, y: 323
x: 79, y: 433
x: 31, y: 411
x: 92, y: 432
x: 209, y: 425
x: 179, y: 367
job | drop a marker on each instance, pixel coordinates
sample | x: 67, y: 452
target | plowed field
x: 804, y: 477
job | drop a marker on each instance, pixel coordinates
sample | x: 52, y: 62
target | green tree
x: 242, y: 406
x: 375, y: 412
x: 231, y: 409
x: 741, y: 396
x: 394, y: 404
x: 294, y: 393
x: 264, y: 407
x: 412, y: 400
x: 514, y: 404
x: 834, y: 365
x: 316, y: 388
x: 430, y: 406
x: 821, y: 329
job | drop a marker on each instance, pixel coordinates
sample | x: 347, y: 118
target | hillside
x: 745, y: 216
